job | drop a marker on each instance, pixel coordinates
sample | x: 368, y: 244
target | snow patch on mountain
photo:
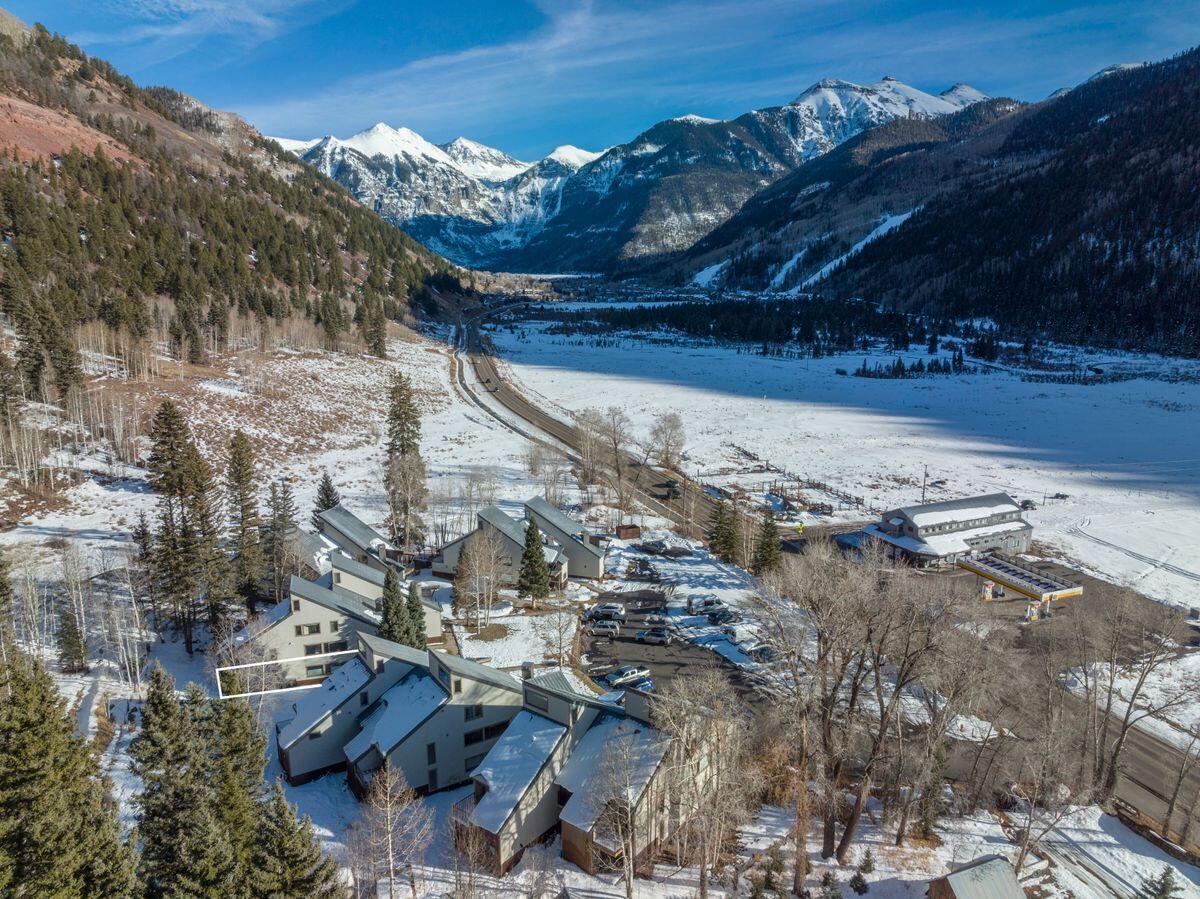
x: 692, y: 119
x: 1118, y: 67
x: 483, y: 162
x: 888, y: 223
x: 963, y: 95
x: 299, y: 147
x: 574, y: 157
x: 383, y: 140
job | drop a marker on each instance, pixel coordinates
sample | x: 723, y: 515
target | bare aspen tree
x: 399, y: 827
x: 557, y: 630
x: 406, y: 492
x: 708, y: 772
x: 481, y: 573
x: 622, y: 825
x: 1189, y: 759
x: 667, y: 440
x: 589, y: 425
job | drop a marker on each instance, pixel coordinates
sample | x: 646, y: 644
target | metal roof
x: 346, y: 602
x: 512, y: 529
x: 370, y: 575
x: 988, y: 877
x: 569, y: 527
x: 399, y: 651
x: 478, y: 671
x: 355, y: 529
x: 963, y: 503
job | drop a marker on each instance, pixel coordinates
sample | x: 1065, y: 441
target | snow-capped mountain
x: 622, y: 207
x: 483, y: 162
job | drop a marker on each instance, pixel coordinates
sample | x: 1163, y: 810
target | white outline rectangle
x: 221, y: 694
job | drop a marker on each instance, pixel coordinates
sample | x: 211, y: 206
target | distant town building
x: 943, y: 533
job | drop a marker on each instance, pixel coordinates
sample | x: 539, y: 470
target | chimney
x: 526, y: 670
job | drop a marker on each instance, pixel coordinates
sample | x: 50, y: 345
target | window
x: 362, y: 698
x: 494, y: 730
x: 314, y: 649
x: 314, y: 735
x: 314, y: 671
x: 443, y: 675
x: 337, y: 577
x: 334, y: 627
x: 431, y: 753
x: 471, y: 737
x: 296, y: 606
x: 339, y: 646
x: 379, y: 666
x: 473, y: 711
x: 433, y: 779
x: 537, y: 701
x: 473, y: 762
x: 303, y: 630
x: 457, y: 685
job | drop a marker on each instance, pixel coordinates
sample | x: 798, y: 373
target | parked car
x: 723, y: 616
x: 603, y: 628
x: 607, y: 611
x: 741, y: 634
x: 764, y: 653
x: 651, y: 547
x: 644, y: 685
x: 627, y: 674
x: 657, y: 619
x: 702, y: 605
x: 657, y: 635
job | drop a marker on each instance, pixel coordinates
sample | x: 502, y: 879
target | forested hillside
x: 1087, y: 230
x: 135, y: 216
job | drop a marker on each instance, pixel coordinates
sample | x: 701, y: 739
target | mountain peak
x: 572, y: 157
x: 963, y: 95
x: 381, y: 139
x: 481, y: 161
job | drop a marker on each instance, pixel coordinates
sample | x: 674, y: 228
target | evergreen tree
x: 726, y: 533
x: 8, y: 608
x: 72, y: 647
x: 394, y: 624
x: 533, y: 582
x: 244, y: 519
x: 859, y: 884
x: 867, y: 865
x: 767, y: 554
x: 416, y: 616
x: 404, y: 420
x: 465, y: 588
x: 281, y: 524
x: 717, y: 526
x: 59, y: 836
x: 170, y: 442
x: 1164, y: 886
x: 208, y: 565
x: 327, y: 498
x: 286, y: 859
x: 238, y: 759
x: 185, y: 849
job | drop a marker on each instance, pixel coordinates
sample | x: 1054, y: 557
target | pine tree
x: 465, y: 588
x: 859, y: 884
x: 767, y: 554
x: 404, y: 420
x: 72, y: 647
x: 58, y: 834
x: 244, y: 519
x: 209, y: 567
x: 394, y: 624
x: 8, y: 608
x: 1164, y: 886
x: 533, y: 582
x: 717, y: 526
x: 286, y: 860
x: 867, y: 865
x: 238, y: 759
x: 327, y: 498
x: 416, y: 616
x: 725, y: 534
x: 281, y: 523
x: 170, y: 441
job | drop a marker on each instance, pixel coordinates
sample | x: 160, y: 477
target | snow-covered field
x: 1125, y: 454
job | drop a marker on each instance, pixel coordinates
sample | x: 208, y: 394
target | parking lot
x: 666, y: 663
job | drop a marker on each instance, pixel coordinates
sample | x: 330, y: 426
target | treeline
x: 89, y: 238
x: 1113, y: 260
x: 822, y: 326
x: 898, y: 369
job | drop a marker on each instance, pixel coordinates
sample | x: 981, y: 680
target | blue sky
x: 527, y: 76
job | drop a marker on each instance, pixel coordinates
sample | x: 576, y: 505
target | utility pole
x: 924, y: 481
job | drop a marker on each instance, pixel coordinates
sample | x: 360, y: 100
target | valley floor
x: 1123, y: 455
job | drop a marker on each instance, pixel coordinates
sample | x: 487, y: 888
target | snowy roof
x: 512, y: 529
x: 944, y: 544
x: 262, y: 623
x: 312, y: 548
x: 568, y: 526
x: 357, y: 530
x: 397, y: 714
x: 952, y: 510
x: 344, y: 601
x: 554, y: 679
x: 316, y: 705
x: 989, y: 877
x: 616, y: 756
x: 512, y: 765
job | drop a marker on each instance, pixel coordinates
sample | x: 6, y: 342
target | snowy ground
x: 1124, y: 453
